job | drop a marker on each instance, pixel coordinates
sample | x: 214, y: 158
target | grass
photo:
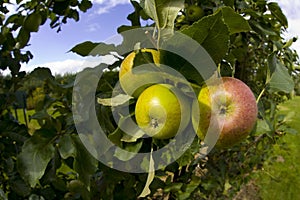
x: 280, y: 177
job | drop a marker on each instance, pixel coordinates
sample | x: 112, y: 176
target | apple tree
x: 243, y: 39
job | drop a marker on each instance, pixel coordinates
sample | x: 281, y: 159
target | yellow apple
x: 132, y: 81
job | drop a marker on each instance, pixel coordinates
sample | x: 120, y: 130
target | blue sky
x: 50, y: 49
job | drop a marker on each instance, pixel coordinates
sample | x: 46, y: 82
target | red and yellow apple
x: 227, y: 110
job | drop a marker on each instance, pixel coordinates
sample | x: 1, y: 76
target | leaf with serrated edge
x: 212, y: 33
x: 235, y: 22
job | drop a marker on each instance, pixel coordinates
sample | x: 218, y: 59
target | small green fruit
x: 194, y: 13
x: 162, y: 110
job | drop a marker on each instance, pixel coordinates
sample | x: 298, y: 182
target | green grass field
x: 280, y: 177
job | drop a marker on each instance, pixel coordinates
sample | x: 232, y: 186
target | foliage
x: 242, y: 37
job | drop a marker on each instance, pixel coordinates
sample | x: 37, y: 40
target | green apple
x: 162, y: 110
x: 228, y: 107
x: 194, y: 13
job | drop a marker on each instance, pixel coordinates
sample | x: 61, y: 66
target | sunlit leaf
x: 262, y: 127
x: 163, y: 12
x: 235, y: 22
x: 280, y: 79
x: 212, y: 33
x: 118, y: 100
x: 146, y: 191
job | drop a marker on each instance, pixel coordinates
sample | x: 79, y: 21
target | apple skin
x: 228, y: 107
x: 130, y: 80
x: 194, y: 13
x: 162, y: 110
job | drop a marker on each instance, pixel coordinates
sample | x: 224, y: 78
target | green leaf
x: 229, y: 2
x: 164, y: 13
x: 130, y: 131
x: 212, y: 33
x: 190, y: 188
x: 115, y: 101
x: 66, y: 147
x: 262, y: 127
x: 277, y: 12
x: 235, y: 22
x: 135, y: 16
x: 85, y: 5
x: 262, y: 29
x: 34, y: 158
x: 280, y: 79
x: 130, y: 151
x: 84, y: 163
x: 146, y: 191
x: 93, y: 49
x: 22, y: 38
x: 20, y: 187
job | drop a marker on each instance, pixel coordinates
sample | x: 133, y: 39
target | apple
x: 227, y: 109
x: 132, y: 81
x: 162, y: 110
x: 194, y: 13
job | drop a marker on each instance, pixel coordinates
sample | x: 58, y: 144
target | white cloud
x: 60, y: 67
x: 291, y: 9
x: 70, y: 65
x: 106, y: 5
x: 93, y: 27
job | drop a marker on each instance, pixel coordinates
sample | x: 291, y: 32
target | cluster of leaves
x: 242, y: 37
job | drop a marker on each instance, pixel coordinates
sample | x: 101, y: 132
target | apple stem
x: 260, y: 95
